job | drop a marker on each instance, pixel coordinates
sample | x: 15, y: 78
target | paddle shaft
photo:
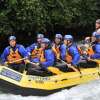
x: 35, y: 65
x: 18, y: 60
x: 75, y: 69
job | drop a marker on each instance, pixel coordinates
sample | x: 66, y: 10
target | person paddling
x: 96, y: 48
x: 97, y: 28
x: 46, y: 56
x: 86, y: 48
x: 33, y: 50
x: 13, y: 55
x: 56, y: 45
x: 69, y: 51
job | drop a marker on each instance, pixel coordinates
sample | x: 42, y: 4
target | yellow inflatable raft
x: 14, y: 82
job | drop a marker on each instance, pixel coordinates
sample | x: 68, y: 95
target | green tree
x: 41, y: 15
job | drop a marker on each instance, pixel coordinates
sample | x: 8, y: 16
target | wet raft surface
x: 9, y: 87
x: 64, y: 68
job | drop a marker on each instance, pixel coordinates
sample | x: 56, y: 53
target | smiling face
x: 57, y: 40
x: 12, y: 43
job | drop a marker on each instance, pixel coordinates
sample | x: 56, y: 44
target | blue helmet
x: 68, y: 37
x: 40, y: 36
x: 45, y: 40
x: 58, y: 36
x: 12, y: 38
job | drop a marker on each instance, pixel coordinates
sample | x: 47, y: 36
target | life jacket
x: 89, y: 50
x: 68, y: 57
x: 42, y: 55
x: 35, y: 53
x: 56, y: 50
x: 14, y: 55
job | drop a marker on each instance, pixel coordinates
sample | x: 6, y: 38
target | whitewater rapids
x: 89, y: 91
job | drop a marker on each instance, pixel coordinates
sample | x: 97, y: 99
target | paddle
x: 96, y: 60
x: 54, y: 70
x: 22, y: 60
x: 69, y: 66
x: 35, y: 64
x: 17, y: 60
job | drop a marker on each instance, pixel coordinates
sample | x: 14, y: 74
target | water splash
x: 90, y: 91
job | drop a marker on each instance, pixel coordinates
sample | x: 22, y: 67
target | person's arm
x: 49, y: 55
x: 63, y: 52
x: 4, y: 55
x: 97, y: 48
x: 30, y: 48
x: 75, y: 55
x: 93, y: 36
x: 23, y: 52
x: 96, y: 55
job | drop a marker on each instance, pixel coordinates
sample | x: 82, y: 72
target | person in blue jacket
x: 47, y: 55
x: 69, y: 51
x: 56, y: 45
x: 96, y: 48
x: 13, y: 54
x: 33, y: 49
x: 97, y: 26
x: 46, y: 58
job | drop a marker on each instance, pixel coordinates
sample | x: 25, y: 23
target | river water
x: 89, y: 91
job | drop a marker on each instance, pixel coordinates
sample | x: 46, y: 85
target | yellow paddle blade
x: 55, y: 70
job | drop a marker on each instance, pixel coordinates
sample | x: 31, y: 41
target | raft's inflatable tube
x: 14, y: 82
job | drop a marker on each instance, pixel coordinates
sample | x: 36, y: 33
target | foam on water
x: 90, y: 91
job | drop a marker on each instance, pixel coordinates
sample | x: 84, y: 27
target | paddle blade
x: 54, y: 70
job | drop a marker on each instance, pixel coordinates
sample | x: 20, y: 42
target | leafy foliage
x: 41, y: 15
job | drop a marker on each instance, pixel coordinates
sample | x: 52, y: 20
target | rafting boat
x: 14, y: 82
